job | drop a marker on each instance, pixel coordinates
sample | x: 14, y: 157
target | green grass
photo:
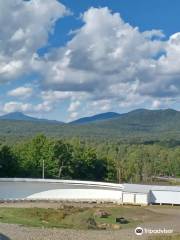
x: 74, y: 217
x: 35, y: 217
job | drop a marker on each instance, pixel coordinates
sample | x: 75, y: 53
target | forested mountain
x: 139, y: 124
x: 95, y: 118
x: 18, y: 116
x: 142, y: 120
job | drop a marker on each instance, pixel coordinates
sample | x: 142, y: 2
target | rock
x: 101, y: 214
x: 46, y: 222
x: 115, y: 226
x: 121, y: 220
x: 103, y: 226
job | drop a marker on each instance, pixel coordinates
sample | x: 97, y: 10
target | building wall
x: 135, y: 198
x: 142, y: 198
x: 128, y: 197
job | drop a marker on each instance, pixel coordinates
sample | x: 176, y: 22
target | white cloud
x: 55, y: 96
x: 105, y: 66
x: 107, y: 53
x: 72, y: 116
x: 74, y: 106
x: 100, y: 106
x: 113, y: 61
x: 42, y: 107
x: 156, y: 104
x: 25, y: 26
x: 15, y: 106
x: 163, y: 103
x: 21, y: 92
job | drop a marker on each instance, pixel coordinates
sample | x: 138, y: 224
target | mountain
x: 140, y: 125
x: 98, y: 117
x: 18, y: 116
x: 144, y: 120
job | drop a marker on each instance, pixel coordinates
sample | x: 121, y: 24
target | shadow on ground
x: 3, y: 237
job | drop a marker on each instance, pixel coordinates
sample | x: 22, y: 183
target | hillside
x: 138, y: 124
x: 142, y: 120
x: 18, y: 116
x: 95, y: 118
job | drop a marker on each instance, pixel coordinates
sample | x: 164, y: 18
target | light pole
x: 43, y: 169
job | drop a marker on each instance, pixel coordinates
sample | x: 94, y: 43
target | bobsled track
x: 18, y: 189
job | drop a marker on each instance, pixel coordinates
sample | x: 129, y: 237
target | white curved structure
x: 67, y: 190
x: 70, y: 190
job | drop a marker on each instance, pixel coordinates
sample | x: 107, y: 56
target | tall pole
x: 43, y: 169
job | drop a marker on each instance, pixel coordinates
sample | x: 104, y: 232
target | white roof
x: 146, y: 188
x: 126, y: 187
x: 74, y: 182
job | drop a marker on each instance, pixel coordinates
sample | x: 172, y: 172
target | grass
x: 35, y: 217
x: 75, y: 217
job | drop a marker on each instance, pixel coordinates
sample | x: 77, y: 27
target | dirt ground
x: 169, y: 219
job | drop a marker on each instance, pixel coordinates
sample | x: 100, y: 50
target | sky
x: 66, y: 59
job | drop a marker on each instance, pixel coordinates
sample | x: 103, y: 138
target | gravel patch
x: 15, y: 232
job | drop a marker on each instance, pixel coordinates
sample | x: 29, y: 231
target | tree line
x: 88, y: 160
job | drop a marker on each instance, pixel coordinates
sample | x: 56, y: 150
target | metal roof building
x: 155, y: 194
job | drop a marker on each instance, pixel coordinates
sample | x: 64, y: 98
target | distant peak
x: 19, y: 116
x: 16, y: 113
x: 97, y: 117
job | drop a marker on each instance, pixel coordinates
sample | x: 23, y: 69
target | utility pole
x: 43, y: 169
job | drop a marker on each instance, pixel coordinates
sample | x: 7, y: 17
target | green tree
x: 62, y: 154
x: 86, y: 164
x: 31, y: 155
x: 8, y: 162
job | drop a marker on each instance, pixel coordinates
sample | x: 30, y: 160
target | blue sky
x: 67, y: 59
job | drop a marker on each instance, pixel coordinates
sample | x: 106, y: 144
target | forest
x: 83, y: 159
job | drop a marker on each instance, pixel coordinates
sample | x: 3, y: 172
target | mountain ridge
x: 97, y: 117
x: 137, y: 125
x: 19, y: 116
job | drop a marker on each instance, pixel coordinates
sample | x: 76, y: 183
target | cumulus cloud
x: 15, y: 106
x: 115, y: 62
x: 25, y: 26
x: 21, y: 92
x: 108, y: 51
x: 74, y: 106
x: 73, y: 109
x: 55, y: 96
x: 107, y: 65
